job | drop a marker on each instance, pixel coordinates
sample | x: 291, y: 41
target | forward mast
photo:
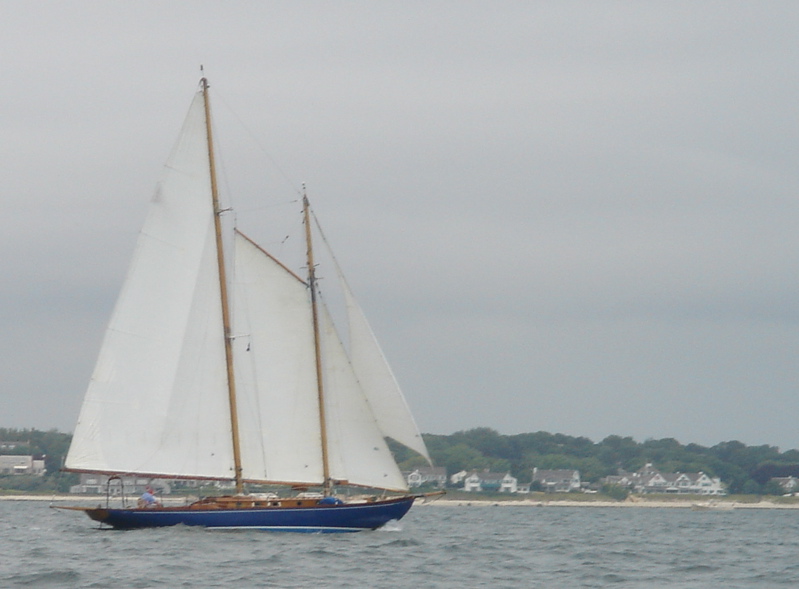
x: 220, y: 258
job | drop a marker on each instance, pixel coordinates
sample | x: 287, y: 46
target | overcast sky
x: 578, y: 217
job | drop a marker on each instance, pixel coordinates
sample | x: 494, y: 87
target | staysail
x: 377, y: 379
x: 358, y: 450
x: 153, y: 404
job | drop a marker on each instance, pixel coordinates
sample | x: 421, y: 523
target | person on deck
x: 148, y: 498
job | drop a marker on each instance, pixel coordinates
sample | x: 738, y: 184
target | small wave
x: 322, y: 552
x: 697, y: 568
x: 403, y: 543
x: 43, y: 579
x: 772, y: 579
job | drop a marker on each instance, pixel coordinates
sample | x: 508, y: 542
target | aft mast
x: 327, y: 482
x: 220, y: 258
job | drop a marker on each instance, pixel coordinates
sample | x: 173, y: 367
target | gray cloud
x: 577, y: 217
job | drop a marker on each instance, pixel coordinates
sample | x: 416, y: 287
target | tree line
x: 745, y: 469
x: 52, y: 444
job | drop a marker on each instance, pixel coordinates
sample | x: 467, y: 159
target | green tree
x: 619, y: 452
x: 487, y: 441
x: 750, y: 487
x: 773, y: 488
x: 616, y: 492
x: 460, y: 457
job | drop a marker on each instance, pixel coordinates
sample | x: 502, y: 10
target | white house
x: 557, y: 481
x: 97, y: 484
x: 789, y: 484
x: 457, y: 478
x: 22, y: 464
x: 696, y: 483
x: 490, y: 481
x: 650, y: 480
x: 436, y: 475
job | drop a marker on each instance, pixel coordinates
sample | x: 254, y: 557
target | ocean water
x: 432, y: 547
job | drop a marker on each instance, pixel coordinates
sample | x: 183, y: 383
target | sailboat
x: 227, y: 366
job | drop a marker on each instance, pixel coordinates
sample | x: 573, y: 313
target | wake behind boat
x: 237, y: 374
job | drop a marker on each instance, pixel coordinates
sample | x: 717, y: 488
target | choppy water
x: 433, y: 547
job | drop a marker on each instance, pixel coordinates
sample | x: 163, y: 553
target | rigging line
x: 347, y: 353
x: 269, y: 206
x: 290, y: 181
x: 330, y: 252
x: 255, y: 398
x: 58, y: 481
x: 337, y: 331
x: 222, y: 167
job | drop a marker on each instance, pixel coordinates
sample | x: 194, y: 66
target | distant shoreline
x: 638, y: 502
x: 677, y: 504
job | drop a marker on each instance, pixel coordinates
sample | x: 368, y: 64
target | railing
x: 108, y: 493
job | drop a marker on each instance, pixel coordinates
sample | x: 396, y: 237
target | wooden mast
x: 220, y: 259
x: 327, y: 483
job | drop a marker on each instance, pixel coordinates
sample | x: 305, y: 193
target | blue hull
x: 318, y: 518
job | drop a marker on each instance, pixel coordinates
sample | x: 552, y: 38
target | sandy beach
x: 637, y: 503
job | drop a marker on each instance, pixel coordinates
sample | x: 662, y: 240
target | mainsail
x: 157, y: 403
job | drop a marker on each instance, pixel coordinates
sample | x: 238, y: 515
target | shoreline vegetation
x: 749, y: 472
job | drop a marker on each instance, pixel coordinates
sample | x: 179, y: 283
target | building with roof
x: 557, y: 481
x: 649, y: 480
x: 788, y: 484
x: 32, y: 464
x: 492, y: 482
x: 98, y: 484
x: 427, y: 475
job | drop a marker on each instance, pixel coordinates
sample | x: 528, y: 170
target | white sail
x: 377, y: 380
x: 278, y: 402
x: 156, y: 401
x: 357, y: 448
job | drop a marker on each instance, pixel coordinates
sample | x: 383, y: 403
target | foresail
x: 156, y: 401
x: 358, y: 452
x: 377, y: 380
x: 274, y: 357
